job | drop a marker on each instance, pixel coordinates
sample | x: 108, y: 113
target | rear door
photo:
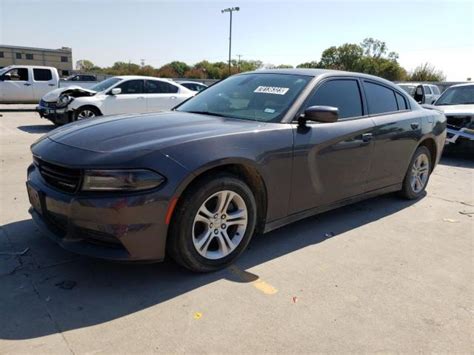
x: 130, y: 100
x: 332, y: 160
x: 161, y: 95
x: 428, y: 94
x: 397, y: 132
x: 16, y: 86
x: 43, y: 82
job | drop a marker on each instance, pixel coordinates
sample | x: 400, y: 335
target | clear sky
x: 277, y: 32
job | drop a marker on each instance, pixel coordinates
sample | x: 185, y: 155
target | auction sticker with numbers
x: 275, y: 90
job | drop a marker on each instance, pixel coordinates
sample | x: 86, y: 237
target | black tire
x: 180, y: 244
x: 81, y: 110
x: 408, y: 191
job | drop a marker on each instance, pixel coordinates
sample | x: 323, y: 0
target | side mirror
x: 115, y: 91
x: 324, y: 114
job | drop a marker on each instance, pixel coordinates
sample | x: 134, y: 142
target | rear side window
x: 435, y: 90
x: 131, y: 87
x: 380, y: 99
x: 343, y: 94
x: 42, y: 74
x: 160, y: 87
x: 427, y: 89
x: 401, y: 102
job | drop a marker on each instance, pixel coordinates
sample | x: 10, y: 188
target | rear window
x: 42, y: 74
x: 160, y: 87
x: 380, y: 99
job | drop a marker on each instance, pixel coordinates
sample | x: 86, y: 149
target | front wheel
x: 213, y: 224
x: 418, y: 174
x: 86, y: 112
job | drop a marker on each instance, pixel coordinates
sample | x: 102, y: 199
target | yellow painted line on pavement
x: 258, y: 283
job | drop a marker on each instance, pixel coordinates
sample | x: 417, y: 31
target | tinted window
x: 160, y: 87
x: 427, y: 89
x: 460, y: 95
x: 131, y: 87
x: 379, y: 98
x: 17, y: 74
x: 343, y: 94
x: 402, y: 103
x: 42, y: 74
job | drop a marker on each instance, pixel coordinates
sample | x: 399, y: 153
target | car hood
x: 456, y: 109
x: 74, y: 91
x: 148, y: 132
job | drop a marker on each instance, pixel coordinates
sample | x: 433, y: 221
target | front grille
x: 47, y: 104
x: 458, y: 122
x: 64, y: 179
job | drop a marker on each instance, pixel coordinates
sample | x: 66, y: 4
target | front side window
x: 42, y: 74
x: 461, y: 95
x: 17, y: 74
x: 261, y: 97
x: 380, y: 99
x: 160, y: 87
x: 343, y: 94
x: 131, y: 87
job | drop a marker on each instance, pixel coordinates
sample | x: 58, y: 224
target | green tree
x: 313, y: 64
x: 426, y: 72
x: 85, y: 65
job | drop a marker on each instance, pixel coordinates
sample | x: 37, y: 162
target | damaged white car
x: 116, y: 95
x: 457, y: 103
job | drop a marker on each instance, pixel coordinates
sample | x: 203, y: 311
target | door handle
x: 27, y: 84
x: 367, y: 137
x: 415, y: 125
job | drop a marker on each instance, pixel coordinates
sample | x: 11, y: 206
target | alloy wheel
x: 420, y: 173
x: 85, y: 114
x: 219, y: 225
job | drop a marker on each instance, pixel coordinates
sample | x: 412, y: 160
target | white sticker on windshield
x: 269, y: 110
x: 275, y: 90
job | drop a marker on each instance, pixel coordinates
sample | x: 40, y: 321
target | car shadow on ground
x: 105, y: 291
x: 458, y: 159
x: 37, y: 128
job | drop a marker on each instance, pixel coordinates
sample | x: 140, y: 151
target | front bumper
x: 55, y: 115
x: 122, y: 227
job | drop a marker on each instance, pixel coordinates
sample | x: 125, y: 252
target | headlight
x: 121, y: 180
x: 63, y: 101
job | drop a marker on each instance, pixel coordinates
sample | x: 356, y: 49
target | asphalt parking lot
x: 382, y: 275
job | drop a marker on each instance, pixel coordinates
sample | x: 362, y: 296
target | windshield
x: 104, y: 85
x: 256, y: 97
x: 410, y: 89
x: 461, y: 95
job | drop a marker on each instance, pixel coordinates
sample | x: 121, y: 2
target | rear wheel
x: 86, y: 112
x: 418, y: 174
x: 212, y: 224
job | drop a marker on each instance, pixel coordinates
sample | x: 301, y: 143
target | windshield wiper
x: 205, y: 113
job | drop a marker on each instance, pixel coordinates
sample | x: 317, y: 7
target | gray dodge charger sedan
x: 250, y: 154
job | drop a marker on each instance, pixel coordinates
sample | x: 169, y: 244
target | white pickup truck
x: 29, y: 83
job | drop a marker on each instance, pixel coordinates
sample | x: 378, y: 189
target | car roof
x: 142, y: 77
x: 460, y: 85
x: 189, y: 82
x: 320, y: 73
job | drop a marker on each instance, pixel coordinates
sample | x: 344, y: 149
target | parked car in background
x: 457, y: 103
x: 29, y: 83
x: 81, y: 77
x: 116, y: 95
x: 422, y: 93
x: 254, y: 152
x: 193, y: 85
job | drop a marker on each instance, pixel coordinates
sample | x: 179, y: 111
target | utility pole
x: 230, y: 10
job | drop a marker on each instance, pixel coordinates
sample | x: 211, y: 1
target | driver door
x: 17, y: 86
x: 331, y: 161
x: 131, y: 99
